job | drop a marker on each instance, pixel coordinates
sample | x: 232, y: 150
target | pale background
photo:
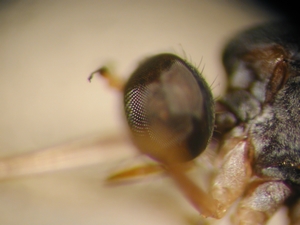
x: 48, y: 49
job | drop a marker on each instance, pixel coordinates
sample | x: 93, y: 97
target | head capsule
x: 169, y: 109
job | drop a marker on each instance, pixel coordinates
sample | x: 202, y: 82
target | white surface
x: 48, y: 49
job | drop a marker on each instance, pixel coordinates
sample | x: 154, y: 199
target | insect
x: 253, y: 129
x: 169, y: 110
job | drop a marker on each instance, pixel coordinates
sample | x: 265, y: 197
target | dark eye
x: 169, y: 109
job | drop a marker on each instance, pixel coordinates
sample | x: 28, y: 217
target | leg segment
x: 261, y: 202
x: 228, y: 185
x: 232, y: 178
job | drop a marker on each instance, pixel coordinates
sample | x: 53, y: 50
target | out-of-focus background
x: 48, y: 49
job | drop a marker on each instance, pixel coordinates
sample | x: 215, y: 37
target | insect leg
x: 233, y: 175
x: 261, y: 202
x: 227, y: 186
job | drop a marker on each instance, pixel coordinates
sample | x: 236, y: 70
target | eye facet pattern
x: 169, y: 109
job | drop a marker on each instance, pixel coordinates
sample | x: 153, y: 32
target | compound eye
x: 169, y: 109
